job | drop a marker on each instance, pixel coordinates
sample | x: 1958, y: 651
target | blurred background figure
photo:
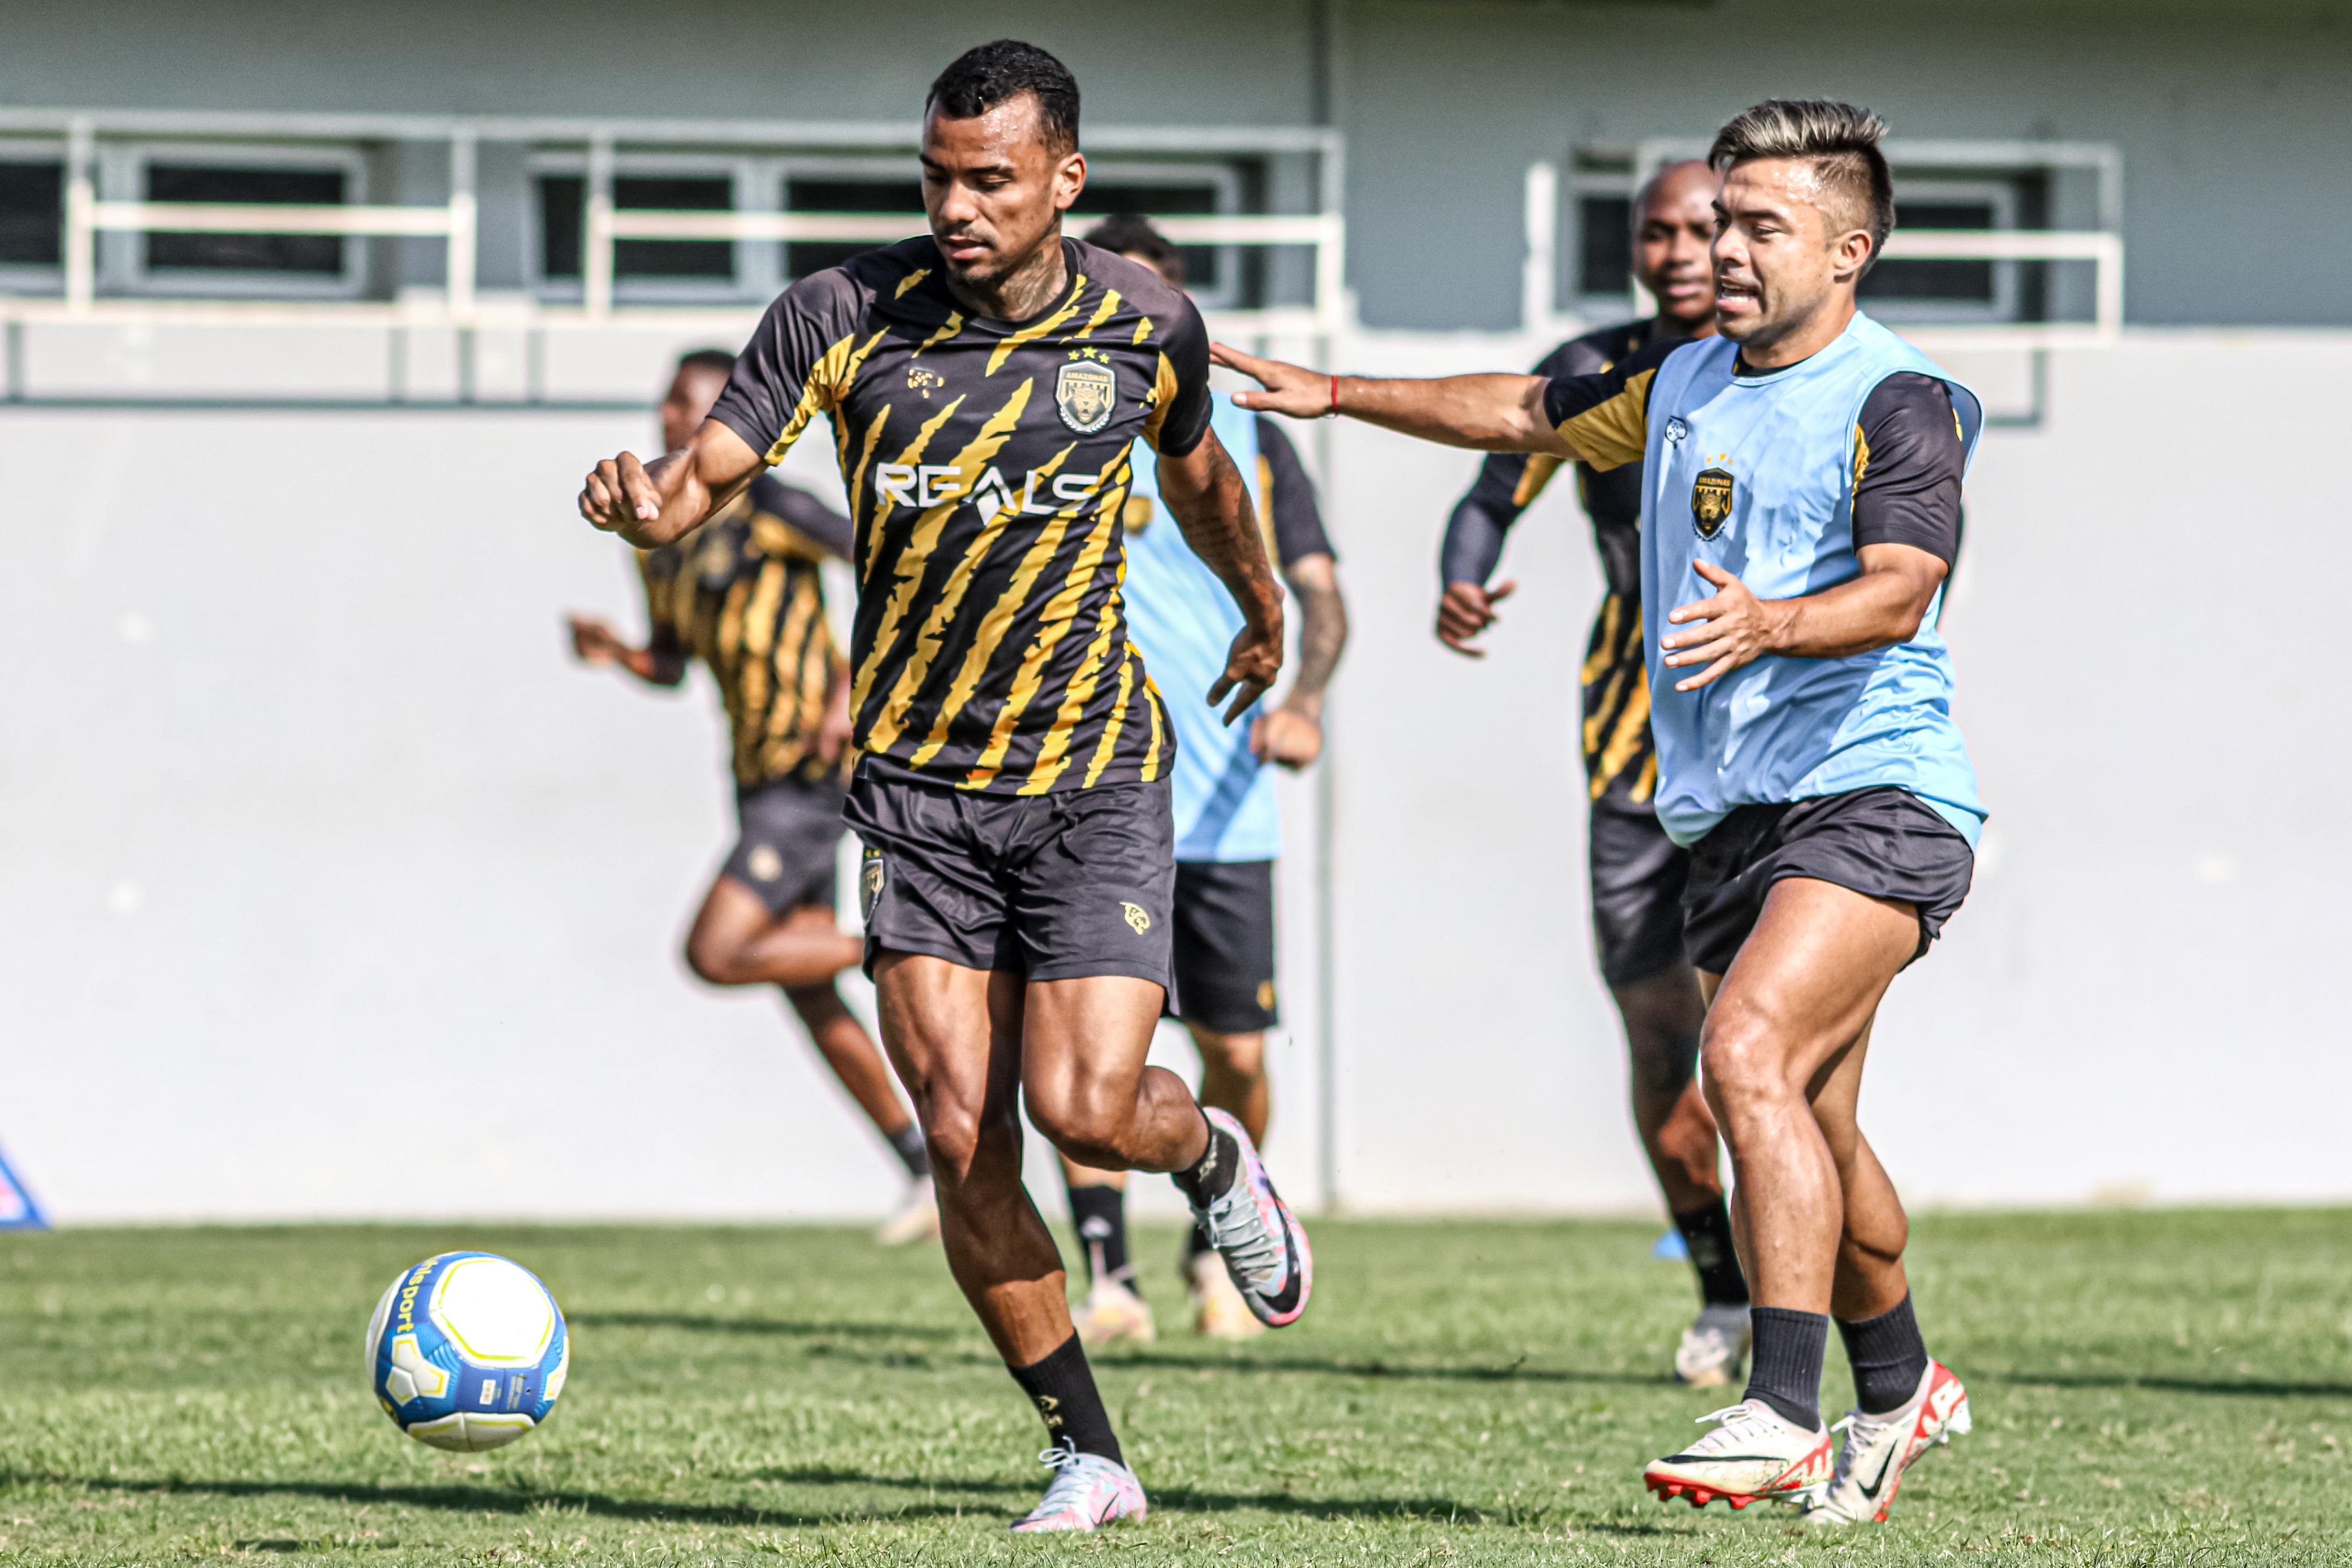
x: 742, y: 594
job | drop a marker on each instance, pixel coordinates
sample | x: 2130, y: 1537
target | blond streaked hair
x: 1838, y: 140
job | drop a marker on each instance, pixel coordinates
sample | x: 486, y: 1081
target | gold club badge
x: 1086, y: 391
x: 1711, y: 500
x: 1137, y: 917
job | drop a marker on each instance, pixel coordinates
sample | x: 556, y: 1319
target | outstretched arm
x: 1205, y: 492
x: 1486, y: 414
x: 657, y: 664
x: 655, y: 504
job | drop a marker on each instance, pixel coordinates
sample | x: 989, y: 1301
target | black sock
x: 1706, y: 1236
x: 1785, y: 1368
x: 1099, y: 1213
x: 1206, y: 1182
x: 1062, y: 1387
x: 907, y: 1143
x: 1888, y: 1357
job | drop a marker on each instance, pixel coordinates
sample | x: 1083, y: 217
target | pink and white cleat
x: 1879, y: 1449
x: 1263, y: 1244
x: 1088, y: 1492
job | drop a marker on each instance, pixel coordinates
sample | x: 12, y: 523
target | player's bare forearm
x: 657, y: 503
x: 1877, y: 609
x: 1322, y: 631
x: 1484, y: 412
x: 1213, y: 506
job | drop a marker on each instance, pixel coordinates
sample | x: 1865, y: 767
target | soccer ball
x: 468, y: 1351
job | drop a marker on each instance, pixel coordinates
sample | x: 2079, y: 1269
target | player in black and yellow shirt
x: 1637, y: 872
x: 991, y: 387
x: 742, y: 594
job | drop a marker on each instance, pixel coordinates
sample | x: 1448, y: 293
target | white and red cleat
x: 1880, y: 1448
x: 1088, y: 1491
x: 1264, y: 1246
x: 1753, y: 1455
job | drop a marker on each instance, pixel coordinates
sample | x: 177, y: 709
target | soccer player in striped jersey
x: 1801, y: 514
x: 1228, y: 828
x: 992, y: 387
x: 742, y: 594
x: 1637, y: 872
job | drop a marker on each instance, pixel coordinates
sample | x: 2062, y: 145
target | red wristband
x: 1335, y: 397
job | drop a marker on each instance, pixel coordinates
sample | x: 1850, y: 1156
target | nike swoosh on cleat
x: 1871, y: 1491
x: 1292, y: 1275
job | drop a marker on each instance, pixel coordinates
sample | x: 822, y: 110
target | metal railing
x: 2103, y: 246
x: 456, y: 222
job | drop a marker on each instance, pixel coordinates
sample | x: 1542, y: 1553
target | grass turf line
x: 2156, y: 1388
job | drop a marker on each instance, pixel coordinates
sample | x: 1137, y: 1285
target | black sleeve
x: 1506, y: 485
x: 1605, y: 416
x: 809, y: 517
x: 1907, y: 462
x: 785, y: 375
x: 1288, y: 497
x: 1180, y: 416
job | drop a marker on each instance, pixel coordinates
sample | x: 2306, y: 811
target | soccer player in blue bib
x: 1637, y: 872
x: 1799, y: 513
x: 1228, y: 828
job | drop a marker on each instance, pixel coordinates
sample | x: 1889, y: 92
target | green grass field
x: 2149, y: 1388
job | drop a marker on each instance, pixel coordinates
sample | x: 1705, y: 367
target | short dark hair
x: 981, y: 78
x: 1132, y: 233
x: 1840, y: 141
x: 717, y: 360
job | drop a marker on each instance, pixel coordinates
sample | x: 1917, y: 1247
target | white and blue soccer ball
x: 468, y: 1351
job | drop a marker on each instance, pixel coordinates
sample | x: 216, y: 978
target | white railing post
x: 1540, y: 272
x: 464, y: 224
x: 81, y: 202
x: 596, y: 256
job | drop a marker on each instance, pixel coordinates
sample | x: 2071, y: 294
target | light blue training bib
x: 1182, y: 618
x: 1754, y: 474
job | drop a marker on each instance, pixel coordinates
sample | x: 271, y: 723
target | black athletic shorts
x: 1055, y: 886
x: 789, y: 831
x: 1224, y: 944
x: 1638, y: 875
x: 1885, y: 843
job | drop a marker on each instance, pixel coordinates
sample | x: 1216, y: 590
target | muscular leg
x: 1663, y: 1015
x: 1089, y: 1091
x: 1796, y: 999
x: 1233, y: 1077
x: 1869, y: 1277
x: 736, y: 942
x: 954, y: 1034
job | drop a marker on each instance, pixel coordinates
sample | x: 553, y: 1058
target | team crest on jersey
x: 1087, y: 391
x: 1711, y: 500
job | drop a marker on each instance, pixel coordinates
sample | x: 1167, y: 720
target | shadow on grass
x: 1246, y: 1364
x: 2226, y: 1388
x: 501, y: 1500
x: 787, y: 1328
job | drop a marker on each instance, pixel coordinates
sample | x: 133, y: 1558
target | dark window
x: 311, y: 255
x: 32, y: 213
x: 563, y: 217
x: 1950, y: 282
x: 1605, y: 245
x: 1103, y: 197
x: 817, y: 193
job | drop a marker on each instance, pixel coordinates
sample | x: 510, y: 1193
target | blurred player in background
x: 988, y: 385
x: 1228, y: 832
x: 742, y: 594
x: 1637, y: 871
x: 1805, y: 476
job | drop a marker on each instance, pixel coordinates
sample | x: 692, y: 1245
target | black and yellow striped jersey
x: 1620, y: 764
x: 742, y: 593
x: 987, y: 465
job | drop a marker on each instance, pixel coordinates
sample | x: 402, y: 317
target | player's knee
x: 1083, y: 1120
x: 1741, y: 1066
x: 963, y: 1139
x: 713, y: 959
x: 1231, y: 1056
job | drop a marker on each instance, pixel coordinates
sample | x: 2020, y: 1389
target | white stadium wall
x: 332, y: 888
